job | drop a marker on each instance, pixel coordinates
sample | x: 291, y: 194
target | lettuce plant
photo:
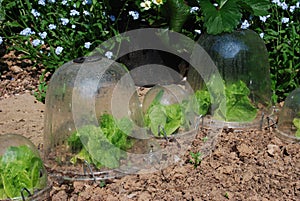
x: 20, y: 168
x: 102, y: 145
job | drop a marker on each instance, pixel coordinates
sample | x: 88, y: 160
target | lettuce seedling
x: 296, y: 122
x: 103, y: 145
x: 20, y: 168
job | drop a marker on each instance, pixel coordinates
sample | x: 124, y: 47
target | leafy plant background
x: 81, y: 25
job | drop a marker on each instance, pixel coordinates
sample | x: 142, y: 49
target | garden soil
x: 239, y: 165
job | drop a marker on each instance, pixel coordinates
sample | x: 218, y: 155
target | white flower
x: 35, y: 13
x: 26, y: 32
x: 86, y: 12
x: 292, y: 8
x: 194, y: 9
x: 73, y: 26
x: 109, y: 54
x: 51, y: 1
x: 112, y: 18
x: 36, y: 42
x: 285, y: 20
x: 276, y: 2
x: 43, y: 35
x: 158, y: 2
x: 298, y: 4
x: 284, y: 6
x: 42, y: 2
x: 264, y: 18
x: 146, y: 5
x: 198, y: 31
x: 64, y: 2
x: 262, y: 35
x: 1, y: 40
x: 216, y: 5
x: 52, y: 26
x: 74, y: 12
x: 245, y: 25
x: 134, y: 14
x: 87, y: 45
x: 64, y: 21
x: 58, y: 50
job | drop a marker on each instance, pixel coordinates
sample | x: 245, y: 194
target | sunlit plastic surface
x: 289, y: 117
x: 21, y: 169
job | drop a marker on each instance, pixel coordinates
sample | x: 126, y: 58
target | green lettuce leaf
x: 20, y: 168
x: 296, y: 122
x: 103, y: 145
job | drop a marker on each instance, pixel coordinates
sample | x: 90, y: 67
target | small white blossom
x: 65, y: 3
x: 216, y: 5
x: 298, y: 4
x: 264, y: 18
x: 87, y: 45
x: 194, y: 9
x: 64, y: 21
x: 285, y: 20
x: 292, y: 8
x: 43, y: 35
x: 73, y: 26
x: 112, y: 18
x: 86, y: 12
x: 245, y: 25
x: 109, y: 54
x: 146, y: 5
x: 276, y: 2
x: 51, y: 1
x: 74, y: 12
x: 1, y: 40
x: 58, y: 50
x: 134, y: 14
x: 158, y: 2
x: 52, y: 26
x: 27, y: 32
x: 42, y: 2
x: 284, y: 6
x: 86, y: 2
x: 36, y: 42
x: 262, y: 35
x: 198, y: 31
x: 35, y: 13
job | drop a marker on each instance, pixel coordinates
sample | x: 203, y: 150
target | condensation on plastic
x: 291, y: 110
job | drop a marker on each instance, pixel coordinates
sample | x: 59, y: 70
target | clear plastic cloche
x: 22, y: 172
x: 94, y: 126
x: 167, y: 107
x: 242, y: 60
x: 289, y: 117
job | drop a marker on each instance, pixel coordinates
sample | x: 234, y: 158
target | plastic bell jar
x: 22, y: 172
x: 93, y: 116
x: 288, y: 126
x: 242, y: 61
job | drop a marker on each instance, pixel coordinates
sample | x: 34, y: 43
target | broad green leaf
x: 157, y: 117
x: 220, y: 19
x: 257, y: 7
x: 179, y: 13
x: 296, y: 122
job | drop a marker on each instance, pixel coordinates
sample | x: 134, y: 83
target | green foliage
x: 238, y: 105
x: 280, y: 31
x: 228, y: 13
x: 103, y: 145
x: 196, y: 158
x: 296, y: 122
x: 20, y: 168
x: 55, y: 32
x: 170, y: 117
